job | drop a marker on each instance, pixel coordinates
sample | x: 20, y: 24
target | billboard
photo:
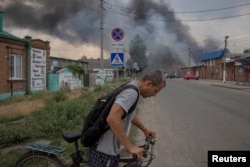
x: 38, y: 69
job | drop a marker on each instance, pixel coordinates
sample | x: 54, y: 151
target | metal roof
x: 244, y: 61
x: 5, y: 34
x: 213, y: 55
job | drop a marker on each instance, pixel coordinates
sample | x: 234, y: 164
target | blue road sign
x: 117, y: 34
x: 117, y: 59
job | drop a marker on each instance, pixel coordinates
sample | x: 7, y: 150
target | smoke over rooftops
x: 78, y: 21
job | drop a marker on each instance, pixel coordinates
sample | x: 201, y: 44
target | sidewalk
x: 228, y: 84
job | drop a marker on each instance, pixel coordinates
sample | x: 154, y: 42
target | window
x: 15, y: 66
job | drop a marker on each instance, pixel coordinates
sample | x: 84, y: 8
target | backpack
x: 95, y: 124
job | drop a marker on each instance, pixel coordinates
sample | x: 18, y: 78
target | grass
x: 17, y: 110
x: 44, y: 116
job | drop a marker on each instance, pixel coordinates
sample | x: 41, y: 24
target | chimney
x: 1, y: 21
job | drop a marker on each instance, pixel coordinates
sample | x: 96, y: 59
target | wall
x: 213, y: 69
x: 7, y: 47
x: 37, y: 80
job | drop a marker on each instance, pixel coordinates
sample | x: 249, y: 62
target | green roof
x: 5, y: 34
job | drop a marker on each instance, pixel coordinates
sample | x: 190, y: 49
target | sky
x: 172, y: 30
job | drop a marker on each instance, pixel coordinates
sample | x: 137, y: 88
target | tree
x: 77, y: 70
x: 137, y: 51
x: 246, y: 51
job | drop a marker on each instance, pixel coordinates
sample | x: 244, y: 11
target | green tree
x: 137, y: 51
x: 246, y: 51
x: 77, y: 70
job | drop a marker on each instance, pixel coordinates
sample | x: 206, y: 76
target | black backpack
x: 95, y: 124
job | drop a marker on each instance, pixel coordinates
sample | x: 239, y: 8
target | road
x: 191, y: 117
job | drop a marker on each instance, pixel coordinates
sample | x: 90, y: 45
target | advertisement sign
x: 38, y: 69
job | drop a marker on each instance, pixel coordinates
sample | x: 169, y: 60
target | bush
x: 60, y: 96
x: 12, y: 135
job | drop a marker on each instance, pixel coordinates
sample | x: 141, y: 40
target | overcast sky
x: 72, y: 26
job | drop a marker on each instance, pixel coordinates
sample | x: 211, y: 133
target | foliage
x: 77, y: 70
x: 12, y: 135
x: 246, y: 51
x: 60, y: 95
x: 49, y: 122
x: 137, y: 51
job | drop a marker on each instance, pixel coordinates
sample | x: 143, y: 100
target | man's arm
x: 136, y: 121
x: 114, y: 121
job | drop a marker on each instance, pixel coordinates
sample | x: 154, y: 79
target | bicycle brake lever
x: 145, y: 154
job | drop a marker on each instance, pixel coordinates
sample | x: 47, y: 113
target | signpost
x: 116, y: 56
x: 117, y: 45
x: 117, y: 34
x: 116, y: 59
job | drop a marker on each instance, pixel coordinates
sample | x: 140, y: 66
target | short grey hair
x: 156, y: 76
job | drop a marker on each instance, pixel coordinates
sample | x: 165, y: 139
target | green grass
x: 57, y: 115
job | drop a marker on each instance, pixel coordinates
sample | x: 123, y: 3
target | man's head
x: 151, y: 83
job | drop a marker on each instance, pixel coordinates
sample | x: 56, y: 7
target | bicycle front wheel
x: 38, y: 159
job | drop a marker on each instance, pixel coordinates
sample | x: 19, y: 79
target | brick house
x: 15, y: 62
x: 212, y: 67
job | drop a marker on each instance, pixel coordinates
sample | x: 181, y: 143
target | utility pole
x: 101, y: 31
x: 189, y: 60
x: 224, y: 60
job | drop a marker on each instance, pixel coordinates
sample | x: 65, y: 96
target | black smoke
x: 78, y: 21
x: 164, y: 55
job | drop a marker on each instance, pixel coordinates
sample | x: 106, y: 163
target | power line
x: 184, y: 12
x: 185, y: 20
x: 208, y: 10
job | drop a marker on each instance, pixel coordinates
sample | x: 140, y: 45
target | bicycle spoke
x: 39, y: 162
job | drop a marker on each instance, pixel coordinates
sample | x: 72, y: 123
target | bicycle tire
x: 38, y: 159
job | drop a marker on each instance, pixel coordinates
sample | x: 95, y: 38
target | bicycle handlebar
x: 148, y: 156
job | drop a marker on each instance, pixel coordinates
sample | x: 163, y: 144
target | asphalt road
x: 191, y: 118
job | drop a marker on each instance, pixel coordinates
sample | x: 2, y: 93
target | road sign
x: 117, y: 45
x: 117, y: 34
x: 117, y: 59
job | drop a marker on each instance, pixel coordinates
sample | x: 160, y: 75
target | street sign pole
x: 117, y: 58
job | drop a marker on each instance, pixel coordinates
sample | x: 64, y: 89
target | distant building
x: 212, y: 66
x: 57, y: 63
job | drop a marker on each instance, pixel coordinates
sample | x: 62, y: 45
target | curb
x: 230, y: 87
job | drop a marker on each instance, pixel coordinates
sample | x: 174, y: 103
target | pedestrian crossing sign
x: 117, y: 59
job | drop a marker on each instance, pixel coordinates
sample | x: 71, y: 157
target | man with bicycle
x: 106, y: 151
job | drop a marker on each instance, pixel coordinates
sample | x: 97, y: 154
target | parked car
x: 187, y: 77
x: 173, y: 76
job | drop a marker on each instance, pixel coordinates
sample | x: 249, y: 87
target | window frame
x: 15, y: 67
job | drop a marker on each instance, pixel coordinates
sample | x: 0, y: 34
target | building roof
x: 244, y: 61
x: 213, y: 55
x: 72, y: 60
x: 96, y: 63
x: 5, y: 34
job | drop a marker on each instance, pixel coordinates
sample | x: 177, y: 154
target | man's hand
x: 136, y: 151
x: 149, y: 132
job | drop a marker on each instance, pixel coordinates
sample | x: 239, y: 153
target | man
x: 108, y: 147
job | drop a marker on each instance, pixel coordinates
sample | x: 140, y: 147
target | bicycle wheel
x: 38, y: 159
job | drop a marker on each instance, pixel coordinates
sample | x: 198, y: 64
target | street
x: 191, y: 118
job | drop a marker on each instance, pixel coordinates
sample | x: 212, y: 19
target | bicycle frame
x: 77, y: 159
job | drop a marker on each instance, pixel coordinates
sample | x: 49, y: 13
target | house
x: 24, y: 63
x: 237, y: 66
x: 57, y: 63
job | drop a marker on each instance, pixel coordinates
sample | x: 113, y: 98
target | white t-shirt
x: 108, y: 143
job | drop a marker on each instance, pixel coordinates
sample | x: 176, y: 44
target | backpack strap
x: 119, y: 90
x: 128, y: 86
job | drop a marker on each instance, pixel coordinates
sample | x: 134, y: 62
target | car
x: 187, y: 77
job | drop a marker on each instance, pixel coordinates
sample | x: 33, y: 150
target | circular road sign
x: 117, y: 34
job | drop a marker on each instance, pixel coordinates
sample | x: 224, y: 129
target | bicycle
x: 47, y: 155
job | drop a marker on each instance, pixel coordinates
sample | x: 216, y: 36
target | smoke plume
x: 78, y: 21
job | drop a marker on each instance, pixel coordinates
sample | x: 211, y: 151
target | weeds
x: 55, y: 113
